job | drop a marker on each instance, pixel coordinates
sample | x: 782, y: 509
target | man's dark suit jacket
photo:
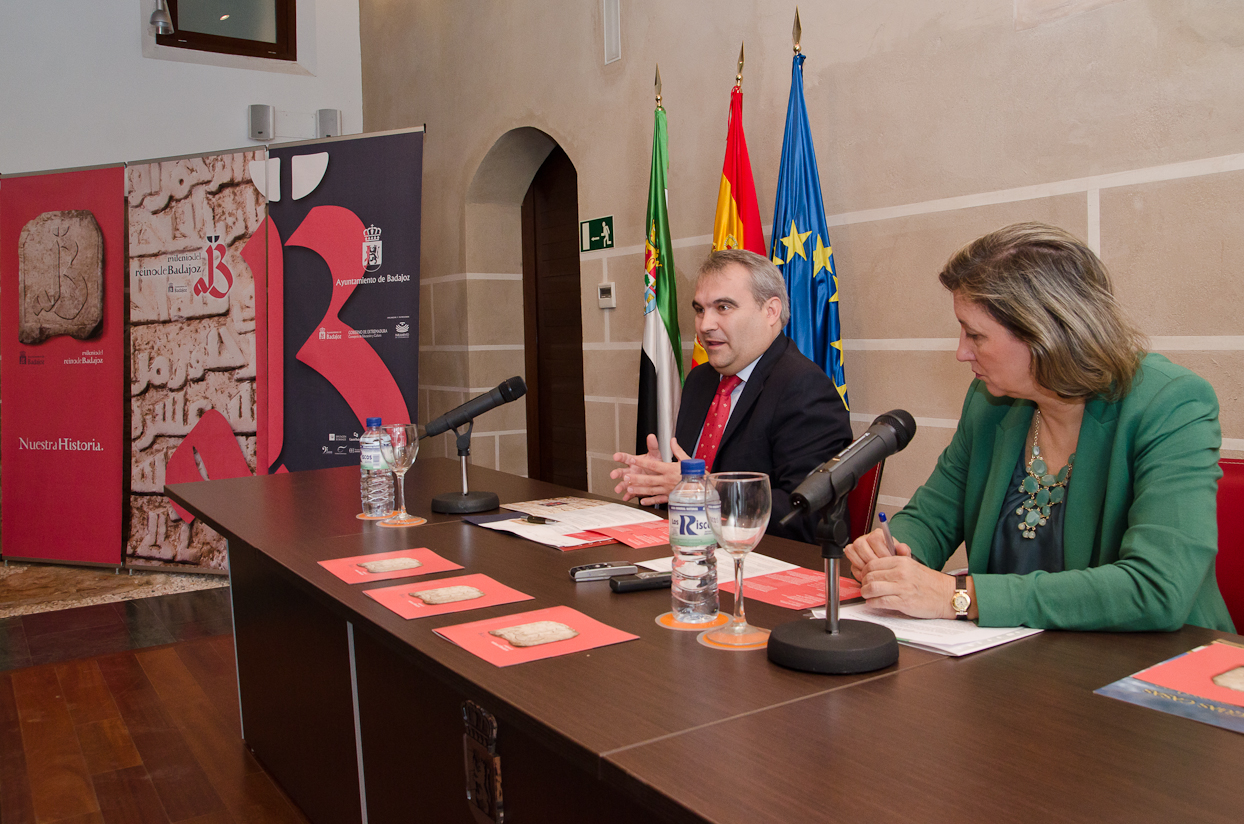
x: 788, y: 421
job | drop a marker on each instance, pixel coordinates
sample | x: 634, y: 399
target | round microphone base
x: 858, y: 647
x: 462, y: 503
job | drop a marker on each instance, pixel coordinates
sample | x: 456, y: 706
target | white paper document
x: 756, y: 564
x: 943, y: 635
x: 553, y: 534
x: 583, y: 514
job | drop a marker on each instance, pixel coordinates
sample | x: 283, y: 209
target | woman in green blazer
x: 1083, y: 473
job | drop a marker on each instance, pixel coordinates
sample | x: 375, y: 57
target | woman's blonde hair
x: 1051, y: 292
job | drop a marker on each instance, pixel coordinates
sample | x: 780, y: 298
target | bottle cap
x: 372, y: 422
x: 693, y: 466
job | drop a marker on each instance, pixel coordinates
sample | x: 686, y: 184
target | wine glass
x: 738, y: 505
x: 400, y: 453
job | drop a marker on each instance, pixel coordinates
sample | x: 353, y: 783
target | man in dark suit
x: 784, y: 418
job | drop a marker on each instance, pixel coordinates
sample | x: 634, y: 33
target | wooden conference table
x: 346, y: 704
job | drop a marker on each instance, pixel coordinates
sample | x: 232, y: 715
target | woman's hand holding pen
x: 893, y: 579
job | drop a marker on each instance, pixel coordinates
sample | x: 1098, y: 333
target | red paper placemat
x: 797, y: 588
x: 399, y: 599
x: 475, y: 637
x: 348, y: 569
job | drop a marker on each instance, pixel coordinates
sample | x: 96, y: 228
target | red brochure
x: 361, y: 569
x: 530, y: 636
x: 796, y: 588
x: 1206, y: 672
x: 445, y: 595
x: 648, y: 533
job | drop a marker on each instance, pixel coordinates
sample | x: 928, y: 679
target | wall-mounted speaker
x: 262, y: 122
x: 328, y: 122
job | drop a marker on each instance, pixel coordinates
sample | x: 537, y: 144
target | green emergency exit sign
x: 596, y: 233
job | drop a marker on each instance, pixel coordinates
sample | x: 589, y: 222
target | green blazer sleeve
x: 1140, y: 531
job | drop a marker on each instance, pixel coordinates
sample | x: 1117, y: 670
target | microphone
x: 509, y: 390
x: 889, y: 433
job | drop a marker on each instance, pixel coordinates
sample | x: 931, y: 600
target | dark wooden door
x: 553, y: 328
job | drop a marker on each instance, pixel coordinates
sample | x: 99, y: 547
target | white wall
x: 77, y: 90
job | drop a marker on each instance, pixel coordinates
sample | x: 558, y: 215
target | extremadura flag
x: 660, y: 364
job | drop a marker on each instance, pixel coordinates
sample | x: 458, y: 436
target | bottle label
x: 373, y: 458
x: 689, y: 525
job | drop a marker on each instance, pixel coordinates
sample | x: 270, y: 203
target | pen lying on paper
x: 885, y: 530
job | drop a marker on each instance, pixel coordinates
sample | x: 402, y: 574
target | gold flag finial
x: 657, y: 84
x: 738, y: 77
x: 797, y: 32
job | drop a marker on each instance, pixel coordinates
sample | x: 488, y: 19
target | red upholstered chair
x: 862, y: 502
x: 1230, y: 565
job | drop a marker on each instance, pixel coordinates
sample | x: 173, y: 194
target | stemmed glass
x: 400, y: 454
x: 738, y: 505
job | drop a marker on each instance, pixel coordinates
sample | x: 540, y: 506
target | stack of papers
x: 575, y: 523
x: 943, y: 635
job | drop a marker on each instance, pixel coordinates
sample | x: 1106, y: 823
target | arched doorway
x: 525, y: 164
x: 553, y: 325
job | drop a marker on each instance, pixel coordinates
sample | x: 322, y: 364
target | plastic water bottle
x: 694, y: 583
x: 377, y: 477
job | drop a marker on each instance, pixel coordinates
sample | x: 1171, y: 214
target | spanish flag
x: 738, y: 216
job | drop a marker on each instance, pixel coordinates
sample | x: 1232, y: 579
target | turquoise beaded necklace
x: 1044, y: 490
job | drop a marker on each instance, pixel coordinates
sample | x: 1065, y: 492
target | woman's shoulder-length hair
x: 1050, y: 291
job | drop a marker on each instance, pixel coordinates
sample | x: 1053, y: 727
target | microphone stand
x: 466, y: 501
x: 833, y: 647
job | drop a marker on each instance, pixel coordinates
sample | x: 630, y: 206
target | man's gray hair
x: 766, y: 281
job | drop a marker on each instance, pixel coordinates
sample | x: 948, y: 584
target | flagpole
x: 831, y: 646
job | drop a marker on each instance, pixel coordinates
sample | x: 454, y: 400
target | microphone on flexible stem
x: 467, y: 501
x: 842, y: 647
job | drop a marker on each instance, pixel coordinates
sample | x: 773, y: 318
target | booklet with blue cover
x: 1205, y: 684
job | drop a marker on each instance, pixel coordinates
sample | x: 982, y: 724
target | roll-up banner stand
x: 343, y: 294
x: 273, y: 306
x: 62, y: 270
x: 192, y: 392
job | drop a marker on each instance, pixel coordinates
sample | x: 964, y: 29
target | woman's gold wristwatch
x: 961, y: 601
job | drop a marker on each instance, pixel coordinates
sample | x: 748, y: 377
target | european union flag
x: 800, y: 244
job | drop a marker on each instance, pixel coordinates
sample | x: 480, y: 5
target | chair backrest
x: 1229, y: 567
x: 862, y: 501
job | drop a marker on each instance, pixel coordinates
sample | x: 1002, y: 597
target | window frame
x: 285, y: 47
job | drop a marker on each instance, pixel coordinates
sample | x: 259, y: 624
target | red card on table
x: 648, y: 533
x: 490, y: 593
x: 1194, y: 673
x: 796, y: 588
x: 351, y: 571
x: 588, y: 633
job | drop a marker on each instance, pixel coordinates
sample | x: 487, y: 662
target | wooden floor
x: 140, y: 735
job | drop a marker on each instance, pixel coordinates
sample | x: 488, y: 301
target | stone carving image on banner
x: 60, y: 277
x: 193, y: 393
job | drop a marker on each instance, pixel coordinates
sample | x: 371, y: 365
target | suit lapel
x: 752, y: 388
x: 1010, y: 435
x: 1087, y: 490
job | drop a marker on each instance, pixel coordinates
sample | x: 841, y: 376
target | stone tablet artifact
x: 1232, y: 679
x: 535, y: 633
x: 390, y: 565
x: 447, y: 595
x: 60, y: 276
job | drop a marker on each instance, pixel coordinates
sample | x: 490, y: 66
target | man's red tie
x: 715, y: 423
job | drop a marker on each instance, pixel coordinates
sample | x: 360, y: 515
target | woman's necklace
x: 1043, y: 489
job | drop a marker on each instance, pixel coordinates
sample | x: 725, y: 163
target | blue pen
x: 885, y: 530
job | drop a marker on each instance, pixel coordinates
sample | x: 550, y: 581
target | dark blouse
x: 1011, y: 552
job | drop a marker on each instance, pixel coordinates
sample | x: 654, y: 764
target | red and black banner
x: 342, y: 299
